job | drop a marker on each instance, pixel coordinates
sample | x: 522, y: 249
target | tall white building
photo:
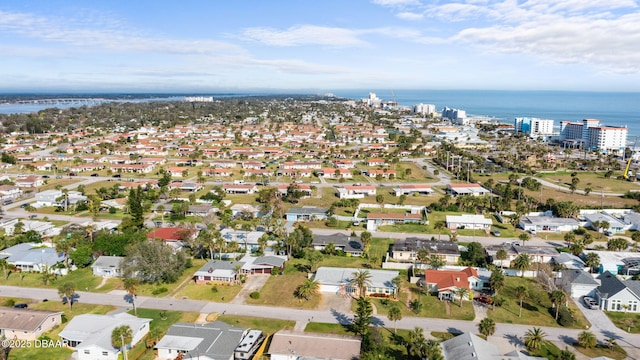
x: 424, y: 109
x: 534, y: 127
x: 457, y: 116
x: 594, y: 136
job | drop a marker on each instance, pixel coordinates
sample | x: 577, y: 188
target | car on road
x: 24, y: 205
x: 532, y: 232
x: 45, y: 176
x: 58, y: 176
x: 33, y: 216
x: 117, y: 176
x: 95, y: 174
x: 72, y: 174
x: 590, y: 303
x: 21, y: 306
x: 495, y: 232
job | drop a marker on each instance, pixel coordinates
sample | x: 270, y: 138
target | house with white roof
x: 468, y: 221
x: 468, y: 346
x: 307, y: 345
x: 548, y: 224
x: 412, y: 189
x: 356, y: 191
x: 90, y: 334
x: 615, y: 226
x: 108, y: 266
x: 30, y: 257
x: 466, y: 189
x: 338, y: 281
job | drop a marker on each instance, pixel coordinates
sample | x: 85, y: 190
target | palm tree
x: 487, y: 327
x: 566, y: 354
x: 558, y: 298
x: 130, y: 286
x: 416, y: 343
x: 439, y: 226
x: 497, y: 280
x: 307, y: 289
x: 521, y: 293
x: 592, y: 260
x: 534, y: 338
x: 394, y: 315
x: 67, y: 291
x: 4, y: 265
x: 501, y: 255
x: 361, y: 280
x: 522, y: 262
x: 524, y: 237
x: 587, y: 339
x: 120, y: 337
x: 461, y: 292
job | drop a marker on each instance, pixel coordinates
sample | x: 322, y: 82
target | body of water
x: 616, y: 109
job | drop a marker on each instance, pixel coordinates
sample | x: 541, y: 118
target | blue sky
x: 328, y: 45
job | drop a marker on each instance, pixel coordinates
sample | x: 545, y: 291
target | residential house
x: 303, y: 188
x: 108, y: 266
x: 445, y: 283
x: 468, y: 346
x: 339, y: 281
x: 568, y: 261
x: 412, y: 189
x: 356, y: 191
x: 243, y: 209
x: 350, y: 245
x: 218, y: 271
x: 407, y: 250
x: 614, y: 294
x: 379, y: 219
x: 90, y: 334
x: 383, y: 173
x: 335, y: 173
x: 286, y: 344
x: 57, y: 198
x: 468, y: 221
x: 615, y: 226
x: 201, y: 210
x: 466, y: 189
x: 30, y: 257
x: 262, y: 264
x: 24, y: 324
x: 548, y: 224
x: 29, y: 182
x: 242, y: 189
x: 173, y: 236
x: 542, y: 254
x: 617, y: 262
x: 577, y: 283
x: 306, y: 213
x: 9, y: 192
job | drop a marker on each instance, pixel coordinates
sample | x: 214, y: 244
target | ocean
x: 611, y: 108
x: 616, y: 109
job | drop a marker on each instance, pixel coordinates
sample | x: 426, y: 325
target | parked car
x: 33, y: 216
x: 590, y: 303
x: 483, y: 299
x: 58, y: 176
x: 532, y: 232
x: 117, y: 176
x: 21, y: 306
x: 72, y: 174
x: 495, y: 232
x: 608, y: 233
x: 95, y: 174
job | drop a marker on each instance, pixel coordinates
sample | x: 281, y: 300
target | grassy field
x: 148, y: 289
x: 279, y: 291
x: 223, y: 293
x: 626, y: 321
x: 596, y: 180
x: 535, y: 309
x: 82, y: 278
x: 616, y: 352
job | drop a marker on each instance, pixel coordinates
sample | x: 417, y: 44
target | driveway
x: 253, y: 283
x: 335, y: 302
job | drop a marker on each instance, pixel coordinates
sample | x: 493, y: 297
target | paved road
x: 512, y: 333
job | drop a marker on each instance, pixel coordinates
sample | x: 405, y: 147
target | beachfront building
x: 457, y: 116
x: 592, y: 135
x: 534, y: 127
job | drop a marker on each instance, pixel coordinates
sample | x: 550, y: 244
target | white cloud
x: 394, y: 3
x: 410, y: 16
x: 305, y: 35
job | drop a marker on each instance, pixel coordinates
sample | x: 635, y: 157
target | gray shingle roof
x: 578, y: 277
x: 215, y: 340
x: 609, y: 285
x: 23, y: 319
x: 349, y: 243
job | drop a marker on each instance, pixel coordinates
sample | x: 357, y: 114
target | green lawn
x: 616, y: 352
x: 148, y: 289
x: 326, y: 328
x: 535, y: 309
x: 547, y: 350
x: 625, y: 321
x: 268, y: 326
x: 279, y: 291
x: 82, y: 278
x: 223, y: 293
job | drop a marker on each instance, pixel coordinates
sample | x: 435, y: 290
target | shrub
x: 565, y: 318
x: 255, y: 295
x: 160, y: 290
x: 214, y: 289
x: 9, y: 302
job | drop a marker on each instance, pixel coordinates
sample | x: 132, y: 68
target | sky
x: 318, y: 45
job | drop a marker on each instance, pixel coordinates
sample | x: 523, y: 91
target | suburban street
x: 507, y: 336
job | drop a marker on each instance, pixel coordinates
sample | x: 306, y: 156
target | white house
x: 90, y: 334
x: 467, y: 221
x: 57, y: 197
x: 577, y: 283
x: 108, y: 266
x: 411, y: 189
x: 548, y: 224
x: 338, y: 281
x: 30, y: 257
x: 356, y: 191
x: 614, y: 294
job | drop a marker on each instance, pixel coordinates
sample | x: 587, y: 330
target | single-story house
x: 338, y: 281
x: 542, y: 254
x: 614, y: 294
x: 407, y: 250
x: 577, y: 283
x: 466, y: 189
x: 90, y: 334
x: 617, y: 262
x: 468, y: 221
x: 286, y: 343
x: 548, y: 224
x: 218, y: 271
x: 379, y: 219
x: 446, y: 282
x: 243, y: 189
x: 304, y: 188
x: 615, y: 226
x: 350, y: 245
x: 57, y: 198
x: 108, y: 266
x: 469, y: 346
x: 568, y: 260
x: 9, y: 192
x: 32, y: 257
x: 25, y: 324
x: 248, y: 240
x: 306, y: 213
x: 411, y: 189
x: 30, y: 181
x: 201, y: 210
x: 239, y: 209
x: 174, y: 236
x: 356, y: 191
x: 262, y: 264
